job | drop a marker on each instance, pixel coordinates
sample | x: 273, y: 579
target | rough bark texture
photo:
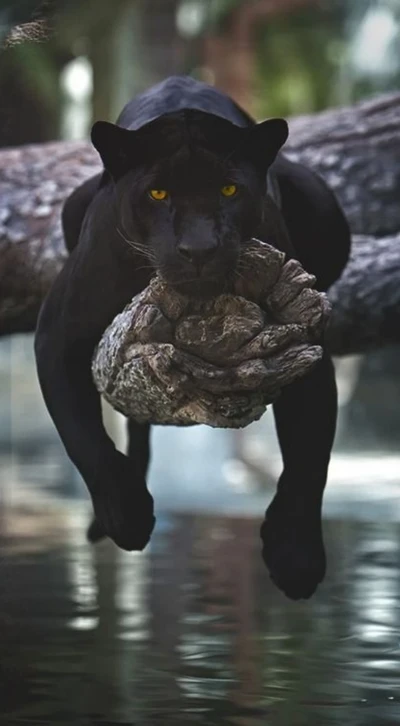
x: 357, y: 151
x: 34, y: 182
x: 366, y: 300
x: 168, y: 359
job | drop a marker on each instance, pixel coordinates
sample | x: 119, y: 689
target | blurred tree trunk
x: 356, y: 149
x: 105, y: 32
x: 29, y: 87
x: 165, y: 51
x: 129, y: 43
x: 230, y: 54
x: 134, y: 46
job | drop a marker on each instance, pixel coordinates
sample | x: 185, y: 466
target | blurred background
x: 218, y: 641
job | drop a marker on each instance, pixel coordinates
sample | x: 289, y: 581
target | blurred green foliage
x: 298, y: 57
x: 305, y: 58
x: 302, y: 58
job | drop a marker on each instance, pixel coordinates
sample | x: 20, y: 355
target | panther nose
x: 199, y: 254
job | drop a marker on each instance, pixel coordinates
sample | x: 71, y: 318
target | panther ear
x: 266, y: 138
x: 115, y: 145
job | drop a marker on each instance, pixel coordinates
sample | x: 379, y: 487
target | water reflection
x: 192, y: 630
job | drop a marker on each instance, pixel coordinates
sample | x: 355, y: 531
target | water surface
x: 192, y: 631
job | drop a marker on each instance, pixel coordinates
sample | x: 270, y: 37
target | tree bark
x: 357, y: 151
x: 34, y: 182
x: 169, y: 359
x: 366, y: 299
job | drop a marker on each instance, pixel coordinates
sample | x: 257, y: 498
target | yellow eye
x: 158, y: 194
x: 229, y: 190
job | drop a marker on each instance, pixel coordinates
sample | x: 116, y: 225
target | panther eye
x: 158, y: 194
x: 229, y: 190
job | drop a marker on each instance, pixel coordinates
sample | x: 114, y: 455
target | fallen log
x: 357, y: 151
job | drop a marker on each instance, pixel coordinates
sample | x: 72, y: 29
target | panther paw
x: 293, y: 551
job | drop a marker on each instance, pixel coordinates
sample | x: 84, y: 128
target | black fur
x: 191, y: 140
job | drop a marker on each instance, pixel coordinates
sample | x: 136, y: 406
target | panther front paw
x: 293, y: 550
x: 123, y: 507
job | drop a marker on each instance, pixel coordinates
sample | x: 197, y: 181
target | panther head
x: 189, y: 189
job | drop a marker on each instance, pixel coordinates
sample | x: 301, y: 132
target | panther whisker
x: 238, y: 274
x: 137, y: 246
x: 144, y: 267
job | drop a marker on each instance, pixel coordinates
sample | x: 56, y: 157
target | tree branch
x: 357, y: 151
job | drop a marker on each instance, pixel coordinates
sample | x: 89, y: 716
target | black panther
x: 186, y: 173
